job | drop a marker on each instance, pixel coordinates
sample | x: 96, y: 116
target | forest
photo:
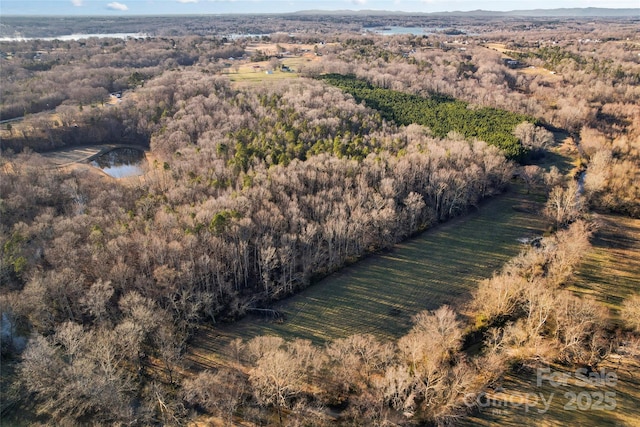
x: 440, y: 114
x: 273, y: 161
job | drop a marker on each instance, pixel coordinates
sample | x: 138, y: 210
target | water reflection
x: 394, y: 31
x: 76, y: 37
x: 121, y: 162
x: 416, y: 31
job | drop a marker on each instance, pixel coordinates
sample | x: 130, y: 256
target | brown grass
x: 623, y: 393
x: 611, y: 269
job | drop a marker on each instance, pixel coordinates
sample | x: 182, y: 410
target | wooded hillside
x: 256, y: 187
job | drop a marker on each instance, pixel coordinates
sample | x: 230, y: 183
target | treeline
x: 440, y: 114
x: 525, y: 317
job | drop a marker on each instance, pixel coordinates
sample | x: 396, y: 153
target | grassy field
x: 254, y: 72
x: 610, y: 272
x: 381, y: 293
x: 600, y: 402
x: 536, y: 71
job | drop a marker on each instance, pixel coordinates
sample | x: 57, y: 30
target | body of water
x: 236, y: 36
x: 416, y: 31
x: 395, y: 31
x: 121, y: 162
x: 74, y: 37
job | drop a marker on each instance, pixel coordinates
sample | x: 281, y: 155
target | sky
x: 170, y: 7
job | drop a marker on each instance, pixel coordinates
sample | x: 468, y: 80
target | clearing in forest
x: 382, y: 292
x: 255, y: 72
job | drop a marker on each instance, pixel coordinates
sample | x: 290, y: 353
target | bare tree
x: 498, y: 297
x: 220, y: 393
x: 531, y: 175
x: 553, y: 178
x: 84, y: 378
x: 631, y: 312
x: 276, y: 379
x: 533, y: 137
x: 441, y: 329
x: 96, y: 300
x: 579, y: 321
x: 565, y: 205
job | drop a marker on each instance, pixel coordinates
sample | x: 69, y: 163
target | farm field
x: 381, y: 293
x: 530, y: 70
x: 609, y: 272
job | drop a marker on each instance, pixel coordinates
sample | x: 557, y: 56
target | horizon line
x: 330, y: 11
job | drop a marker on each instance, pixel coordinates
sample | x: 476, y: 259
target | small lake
x: 121, y: 162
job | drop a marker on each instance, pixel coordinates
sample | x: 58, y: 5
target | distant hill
x: 562, y: 12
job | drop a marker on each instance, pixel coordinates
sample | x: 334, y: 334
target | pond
x: 121, y: 162
x: 416, y: 31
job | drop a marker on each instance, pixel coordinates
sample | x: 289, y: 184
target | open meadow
x: 381, y: 293
x: 609, y: 271
x: 255, y: 72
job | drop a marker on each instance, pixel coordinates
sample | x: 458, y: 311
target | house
x: 512, y: 63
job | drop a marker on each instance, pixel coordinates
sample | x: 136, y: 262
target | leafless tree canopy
x: 253, y: 190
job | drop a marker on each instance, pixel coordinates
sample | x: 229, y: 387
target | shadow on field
x: 381, y: 293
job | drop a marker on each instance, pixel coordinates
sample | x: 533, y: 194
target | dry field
x: 611, y: 270
x: 255, y: 72
x: 551, y: 76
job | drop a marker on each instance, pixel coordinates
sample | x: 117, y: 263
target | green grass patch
x: 381, y: 293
